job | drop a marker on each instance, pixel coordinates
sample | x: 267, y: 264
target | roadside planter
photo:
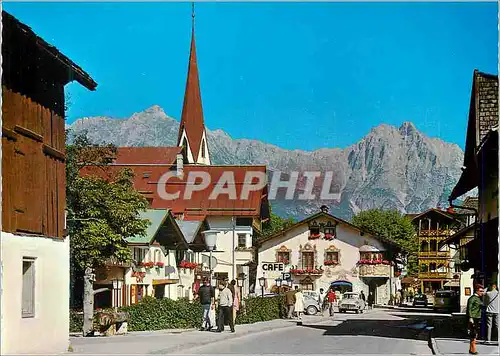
x: 112, y: 323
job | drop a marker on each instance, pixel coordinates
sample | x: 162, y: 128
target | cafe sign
x: 273, y: 269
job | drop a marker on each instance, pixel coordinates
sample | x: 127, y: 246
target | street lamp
x: 241, y: 281
x: 117, y: 285
x: 262, y: 283
x: 210, y: 240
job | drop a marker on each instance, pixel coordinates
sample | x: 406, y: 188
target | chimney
x: 180, y: 165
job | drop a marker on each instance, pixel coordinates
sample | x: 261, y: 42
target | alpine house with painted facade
x: 34, y: 247
x: 323, y: 251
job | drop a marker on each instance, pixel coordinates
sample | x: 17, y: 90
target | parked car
x: 447, y: 301
x: 351, y: 301
x: 311, y: 293
x: 420, y: 300
x: 311, y: 305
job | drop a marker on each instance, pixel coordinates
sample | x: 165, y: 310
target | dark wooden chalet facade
x: 34, y: 74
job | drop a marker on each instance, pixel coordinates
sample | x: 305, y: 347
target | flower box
x: 374, y: 262
x: 146, y: 264
x: 283, y: 261
x: 329, y: 237
x: 160, y: 264
x: 314, y: 236
x: 331, y: 263
x: 188, y: 265
x: 306, y: 271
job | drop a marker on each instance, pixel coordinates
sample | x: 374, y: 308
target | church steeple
x: 192, y: 131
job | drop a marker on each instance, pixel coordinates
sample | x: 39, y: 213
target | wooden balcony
x: 434, y: 254
x: 375, y: 271
x: 443, y: 233
x: 434, y: 275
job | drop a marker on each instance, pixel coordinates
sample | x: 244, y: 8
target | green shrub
x: 161, y: 314
x: 261, y: 309
x: 75, y: 321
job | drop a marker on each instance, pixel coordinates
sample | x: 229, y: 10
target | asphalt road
x: 375, y: 332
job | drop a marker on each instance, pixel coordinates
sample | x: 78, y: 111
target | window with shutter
x: 28, y: 291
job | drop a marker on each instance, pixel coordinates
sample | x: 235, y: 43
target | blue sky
x: 298, y: 75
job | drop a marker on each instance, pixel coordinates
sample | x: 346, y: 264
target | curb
x: 434, y: 347
x: 194, y: 344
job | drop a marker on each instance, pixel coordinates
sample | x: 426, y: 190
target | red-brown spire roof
x: 192, y: 112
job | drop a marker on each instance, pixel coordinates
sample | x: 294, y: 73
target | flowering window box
x: 188, y: 265
x: 374, y: 262
x: 146, y: 264
x: 329, y: 237
x: 331, y: 263
x: 314, y: 236
x: 306, y: 271
x: 284, y: 261
x: 159, y: 264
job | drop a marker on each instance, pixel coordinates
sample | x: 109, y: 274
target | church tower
x: 192, y: 132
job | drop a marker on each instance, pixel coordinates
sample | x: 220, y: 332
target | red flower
x: 188, y: 265
x: 331, y: 262
x: 160, y: 264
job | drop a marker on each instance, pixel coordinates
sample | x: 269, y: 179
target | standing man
x: 491, y: 303
x: 225, y: 304
x: 206, y: 294
x: 474, y: 306
x: 290, y: 302
x: 321, y: 300
x: 332, y: 298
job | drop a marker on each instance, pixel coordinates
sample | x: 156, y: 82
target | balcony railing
x: 374, y: 270
x: 436, y: 233
x: 445, y: 254
x: 432, y: 275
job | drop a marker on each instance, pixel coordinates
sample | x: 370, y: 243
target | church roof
x: 192, y: 111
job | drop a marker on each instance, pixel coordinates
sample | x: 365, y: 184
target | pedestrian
x: 321, y: 300
x: 398, y: 297
x: 290, y: 302
x: 474, y: 306
x: 371, y: 300
x: 363, y: 298
x: 332, y: 298
x: 225, y: 304
x: 236, y: 301
x: 491, y: 303
x: 206, y: 295
x: 299, y: 302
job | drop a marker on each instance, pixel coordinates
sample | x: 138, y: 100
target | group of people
x: 327, y: 301
x: 482, y: 302
x: 228, y: 304
x: 294, y: 302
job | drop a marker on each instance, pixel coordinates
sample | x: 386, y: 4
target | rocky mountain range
x: 390, y: 167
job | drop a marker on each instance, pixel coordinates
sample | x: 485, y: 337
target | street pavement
x: 377, y: 331
x: 374, y: 332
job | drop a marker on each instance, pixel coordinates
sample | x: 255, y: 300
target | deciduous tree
x: 101, y: 214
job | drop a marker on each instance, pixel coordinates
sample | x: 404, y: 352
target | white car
x: 351, y: 301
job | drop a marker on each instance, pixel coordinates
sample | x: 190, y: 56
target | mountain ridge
x: 390, y: 167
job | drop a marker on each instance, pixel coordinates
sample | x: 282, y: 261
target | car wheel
x: 311, y: 310
x: 357, y: 311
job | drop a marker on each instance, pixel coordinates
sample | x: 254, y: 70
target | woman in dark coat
x: 371, y: 300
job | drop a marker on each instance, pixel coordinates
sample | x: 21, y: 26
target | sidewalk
x: 444, y: 346
x: 171, y: 341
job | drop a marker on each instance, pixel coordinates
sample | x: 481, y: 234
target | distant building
x: 34, y: 247
x: 323, y: 251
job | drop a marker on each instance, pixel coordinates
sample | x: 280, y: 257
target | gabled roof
x: 459, y: 234
x: 162, y: 229
x: 147, y: 155
x: 435, y: 211
x: 327, y: 215
x: 199, y: 205
x: 192, y: 233
x: 192, y: 111
x: 483, y: 117
x: 13, y: 29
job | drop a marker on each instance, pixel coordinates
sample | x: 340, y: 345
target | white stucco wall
x: 48, y: 331
x: 205, y: 160
x: 348, y: 241
x: 188, y: 148
x: 227, y: 246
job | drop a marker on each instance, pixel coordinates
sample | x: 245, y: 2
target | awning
x: 341, y: 283
x: 452, y: 284
x: 164, y: 281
